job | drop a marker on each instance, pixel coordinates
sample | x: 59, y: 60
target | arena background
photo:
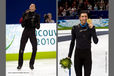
x: 15, y: 9
x: 68, y: 12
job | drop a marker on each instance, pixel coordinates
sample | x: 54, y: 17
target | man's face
x: 32, y: 7
x: 83, y: 18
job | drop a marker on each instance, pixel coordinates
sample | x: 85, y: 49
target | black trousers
x: 82, y: 58
x: 28, y: 33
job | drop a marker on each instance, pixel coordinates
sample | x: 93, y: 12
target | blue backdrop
x: 15, y: 9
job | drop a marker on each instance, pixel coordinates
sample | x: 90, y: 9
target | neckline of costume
x: 85, y: 25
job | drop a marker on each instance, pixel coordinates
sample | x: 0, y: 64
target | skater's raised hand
x: 89, y: 21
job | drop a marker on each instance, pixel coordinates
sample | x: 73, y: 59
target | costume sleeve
x: 23, y: 23
x: 72, y: 42
x: 38, y: 22
x: 93, y: 33
x: 20, y: 20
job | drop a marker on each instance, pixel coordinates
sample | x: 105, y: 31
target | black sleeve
x: 72, y: 42
x: 93, y: 33
x: 38, y: 22
x: 23, y: 21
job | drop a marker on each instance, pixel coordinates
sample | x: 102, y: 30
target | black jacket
x: 31, y: 20
x: 83, y: 36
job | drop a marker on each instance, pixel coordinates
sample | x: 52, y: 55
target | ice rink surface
x: 99, y: 55
x: 42, y: 67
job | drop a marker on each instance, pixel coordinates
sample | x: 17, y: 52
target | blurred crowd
x: 72, y: 7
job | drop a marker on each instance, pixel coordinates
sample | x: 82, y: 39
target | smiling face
x: 32, y: 7
x: 83, y: 18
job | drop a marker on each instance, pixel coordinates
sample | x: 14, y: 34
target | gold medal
x: 89, y: 21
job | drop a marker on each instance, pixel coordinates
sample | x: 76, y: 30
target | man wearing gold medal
x: 82, y: 34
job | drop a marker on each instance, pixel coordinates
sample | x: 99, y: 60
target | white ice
x: 42, y: 67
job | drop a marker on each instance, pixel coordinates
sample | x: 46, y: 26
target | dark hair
x: 83, y: 11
